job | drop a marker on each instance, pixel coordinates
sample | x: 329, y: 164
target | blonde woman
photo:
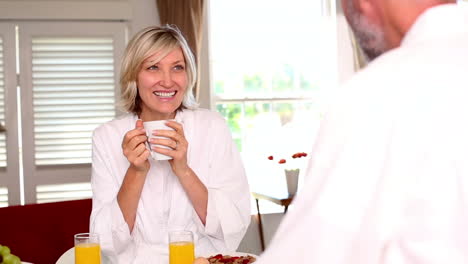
x: 137, y: 200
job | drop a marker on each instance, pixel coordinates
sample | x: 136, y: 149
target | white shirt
x: 388, y: 176
x: 164, y: 205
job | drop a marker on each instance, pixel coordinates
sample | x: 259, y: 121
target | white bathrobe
x: 388, y: 177
x: 164, y: 205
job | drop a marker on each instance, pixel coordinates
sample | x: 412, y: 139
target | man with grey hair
x: 388, y: 177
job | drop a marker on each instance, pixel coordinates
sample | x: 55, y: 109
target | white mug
x: 157, y: 125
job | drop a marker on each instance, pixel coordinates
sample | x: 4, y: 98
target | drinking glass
x: 87, y: 249
x: 181, y: 247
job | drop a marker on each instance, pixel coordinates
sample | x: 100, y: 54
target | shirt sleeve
x: 228, y: 212
x: 106, y: 217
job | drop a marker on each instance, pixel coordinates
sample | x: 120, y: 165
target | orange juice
x: 88, y: 253
x: 182, y: 252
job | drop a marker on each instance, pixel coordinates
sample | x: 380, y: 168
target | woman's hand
x: 134, y: 148
x: 175, y: 139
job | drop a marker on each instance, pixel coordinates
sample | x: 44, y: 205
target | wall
x: 144, y: 14
x: 138, y: 13
x: 65, y: 9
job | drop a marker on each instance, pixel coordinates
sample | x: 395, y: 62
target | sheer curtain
x: 188, y: 17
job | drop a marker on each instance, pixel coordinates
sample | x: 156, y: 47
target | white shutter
x: 3, y: 190
x: 3, y: 197
x: 68, y: 78
x: 9, y: 150
x: 63, y: 192
x: 73, y: 93
x: 2, y: 108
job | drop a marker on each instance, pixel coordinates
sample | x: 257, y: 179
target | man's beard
x: 369, y: 36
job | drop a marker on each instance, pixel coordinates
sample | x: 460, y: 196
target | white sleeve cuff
x: 120, y: 232
x: 225, y: 229
x: 213, y: 225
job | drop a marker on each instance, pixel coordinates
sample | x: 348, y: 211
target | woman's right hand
x: 134, y: 148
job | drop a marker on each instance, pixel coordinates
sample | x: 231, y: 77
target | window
x: 270, y: 62
x: 67, y: 87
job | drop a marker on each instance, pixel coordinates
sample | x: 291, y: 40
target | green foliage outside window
x: 233, y: 114
x: 253, y: 84
x: 283, y: 81
x: 286, y: 81
x: 219, y: 87
x: 305, y: 84
x: 285, y: 112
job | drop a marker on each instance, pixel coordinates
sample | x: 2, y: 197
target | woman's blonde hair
x: 144, y: 44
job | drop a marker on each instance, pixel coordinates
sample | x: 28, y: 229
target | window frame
x: 10, y: 173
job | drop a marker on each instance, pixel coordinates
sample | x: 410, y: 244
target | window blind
x: 63, y: 192
x: 2, y: 108
x: 3, y: 197
x: 73, y: 92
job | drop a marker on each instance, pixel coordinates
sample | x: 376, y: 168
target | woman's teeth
x: 164, y: 94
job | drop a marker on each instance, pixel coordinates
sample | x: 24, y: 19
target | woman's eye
x: 153, y: 67
x: 179, y: 67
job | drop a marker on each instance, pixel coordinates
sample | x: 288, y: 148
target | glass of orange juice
x: 87, y: 249
x: 181, y: 247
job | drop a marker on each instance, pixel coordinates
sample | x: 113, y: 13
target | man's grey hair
x: 370, y: 37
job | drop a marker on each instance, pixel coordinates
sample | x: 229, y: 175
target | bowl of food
x: 230, y: 258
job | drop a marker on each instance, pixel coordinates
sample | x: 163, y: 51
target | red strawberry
x: 301, y: 154
x: 282, y: 161
x: 270, y: 157
x: 295, y: 155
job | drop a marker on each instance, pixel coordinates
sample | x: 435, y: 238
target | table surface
x: 69, y: 257
x: 278, y: 198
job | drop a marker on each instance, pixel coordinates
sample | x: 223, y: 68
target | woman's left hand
x: 175, y: 139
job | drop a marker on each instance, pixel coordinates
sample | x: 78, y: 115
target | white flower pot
x: 292, y: 178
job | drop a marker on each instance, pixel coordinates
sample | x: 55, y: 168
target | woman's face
x: 162, y: 85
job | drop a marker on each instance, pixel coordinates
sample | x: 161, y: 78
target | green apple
x: 14, y: 260
x: 4, y: 251
x: 7, y: 259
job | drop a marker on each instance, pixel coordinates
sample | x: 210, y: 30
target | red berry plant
x: 294, y: 156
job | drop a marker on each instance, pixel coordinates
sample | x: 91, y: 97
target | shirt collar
x: 437, y: 22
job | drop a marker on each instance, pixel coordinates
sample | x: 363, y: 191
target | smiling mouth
x: 165, y: 94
